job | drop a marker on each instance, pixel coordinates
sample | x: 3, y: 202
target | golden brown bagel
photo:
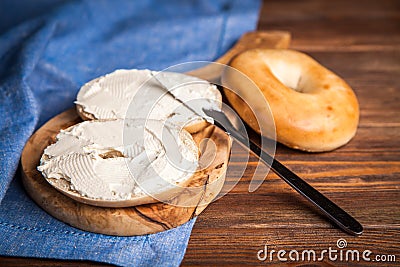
x: 314, y: 109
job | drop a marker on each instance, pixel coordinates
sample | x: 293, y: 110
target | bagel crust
x: 314, y: 110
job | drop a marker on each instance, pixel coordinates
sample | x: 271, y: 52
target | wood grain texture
x: 204, y: 186
x: 360, y: 41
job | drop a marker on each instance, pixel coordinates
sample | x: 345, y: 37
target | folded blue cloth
x: 48, y: 49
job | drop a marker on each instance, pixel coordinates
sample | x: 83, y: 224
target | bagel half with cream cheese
x: 313, y: 109
x: 120, y: 162
x: 136, y: 94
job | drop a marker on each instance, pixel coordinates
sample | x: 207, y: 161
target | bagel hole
x: 289, y: 75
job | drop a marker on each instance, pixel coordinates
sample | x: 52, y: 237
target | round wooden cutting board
x: 138, y: 220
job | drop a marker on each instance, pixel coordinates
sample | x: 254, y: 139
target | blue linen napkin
x: 48, y: 49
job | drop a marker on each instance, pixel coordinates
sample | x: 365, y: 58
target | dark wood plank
x: 360, y: 25
x: 360, y: 41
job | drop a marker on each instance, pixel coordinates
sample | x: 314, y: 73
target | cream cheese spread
x: 136, y: 94
x: 121, y: 159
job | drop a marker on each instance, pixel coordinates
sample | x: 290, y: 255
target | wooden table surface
x: 360, y: 41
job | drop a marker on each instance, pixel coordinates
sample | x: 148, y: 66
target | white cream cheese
x: 121, y: 159
x: 136, y: 94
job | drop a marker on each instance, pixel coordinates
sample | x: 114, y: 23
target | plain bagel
x: 313, y: 109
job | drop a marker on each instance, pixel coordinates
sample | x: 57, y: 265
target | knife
x: 332, y: 211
